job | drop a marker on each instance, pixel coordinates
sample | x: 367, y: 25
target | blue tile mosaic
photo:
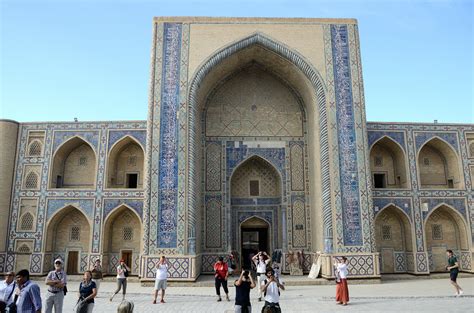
x: 422, y: 137
x: 346, y: 137
x: 139, y: 135
x: 458, y: 204
x: 110, y: 204
x: 402, y: 203
x: 398, y: 137
x: 168, y: 169
x: 85, y: 206
x: 92, y: 137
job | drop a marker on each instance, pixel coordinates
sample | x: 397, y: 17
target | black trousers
x: 219, y: 282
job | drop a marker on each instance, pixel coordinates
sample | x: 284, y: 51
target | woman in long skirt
x: 342, y: 291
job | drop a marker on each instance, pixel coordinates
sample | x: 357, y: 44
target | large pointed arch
x: 394, y: 239
x: 74, y: 165
x: 125, y: 160
x: 445, y: 228
x: 299, y: 73
x: 121, y: 238
x: 439, y: 166
x: 388, y: 164
x: 69, y: 234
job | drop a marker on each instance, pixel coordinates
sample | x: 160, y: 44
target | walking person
x: 97, y: 275
x: 221, y: 274
x: 243, y: 285
x: 161, y: 278
x: 453, y: 268
x: 7, y: 289
x: 261, y: 260
x: 28, y: 294
x: 342, y: 291
x: 87, y: 293
x: 271, y: 287
x: 122, y: 274
x: 56, y: 281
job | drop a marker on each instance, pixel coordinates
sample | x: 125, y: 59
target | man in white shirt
x: 271, y: 287
x: 56, y: 281
x: 7, y: 288
x: 161, y: 278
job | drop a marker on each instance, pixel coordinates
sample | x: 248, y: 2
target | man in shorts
x: 161, y: 278
x: 453, y: 268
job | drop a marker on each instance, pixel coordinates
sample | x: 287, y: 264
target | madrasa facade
x: 256, y: 139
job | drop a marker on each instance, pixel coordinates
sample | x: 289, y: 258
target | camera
x: 246, y: 274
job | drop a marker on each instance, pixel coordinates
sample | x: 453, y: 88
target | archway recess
x: 125, y: 164
x: 388, y: 165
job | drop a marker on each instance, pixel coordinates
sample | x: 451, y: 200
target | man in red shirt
x: 221, y: 273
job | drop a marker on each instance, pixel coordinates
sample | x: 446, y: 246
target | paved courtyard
x: 418, y: 295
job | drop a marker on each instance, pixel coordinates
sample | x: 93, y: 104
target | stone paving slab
x: 402, y: 296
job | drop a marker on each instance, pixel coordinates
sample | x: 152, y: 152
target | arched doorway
x: 388, y: 165
x: 393, y: 237
x: 444, y: 229
x: 439, y: 166
x: 69, y: 236
x: 74, y: 165
x: 125, y: 164
x: 122, y: 239
x: 254, y: 237
x: 256, y: 208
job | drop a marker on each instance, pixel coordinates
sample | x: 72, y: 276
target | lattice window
x: 437, y: 232
x: 24, y: 249
x: 386, y: 232
x: 426, y: 162
x: 254, y: 188
x: 378, y: 161
x: 75, y: 233
x: 35, y: 148
x: 127, y: 233
x: 132, y: 160
x: 27, y: 221
x: 83, y: 161
x: 31, y: 181
x: 471, y: 149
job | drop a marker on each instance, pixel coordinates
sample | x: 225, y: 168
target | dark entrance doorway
x: 253, y: 240
x: 127, y: 257
x: 72, y: 263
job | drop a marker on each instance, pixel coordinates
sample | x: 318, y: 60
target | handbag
x: 12, y: 306
x: 64, y: 288
x: 125, y: 272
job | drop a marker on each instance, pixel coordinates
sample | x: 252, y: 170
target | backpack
x: 271, y: 308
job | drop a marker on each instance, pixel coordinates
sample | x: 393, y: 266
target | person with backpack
x: 122, y: 273
x: 271, y: 287
x: 56, y: 282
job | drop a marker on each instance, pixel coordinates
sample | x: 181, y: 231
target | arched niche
x: 299, y: 79
x: 69, y: 233
x: 444, y: 229
x: 439, y: 166
x: 122, y: 234
x: 255, y: 177
x: 74, y: 165
x: 388, y: 165
x: 125, y: 164
x: 254, y: 236
x: 393, y: 237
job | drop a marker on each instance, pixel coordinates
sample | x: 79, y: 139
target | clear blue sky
x: 90, y: 59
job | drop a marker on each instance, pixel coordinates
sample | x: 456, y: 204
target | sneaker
x: 461, y: 292
x: 162, y: 301
x: 227, y: 297
x: 154, y: 301
x: 111, y: 298
x: 219, y: 299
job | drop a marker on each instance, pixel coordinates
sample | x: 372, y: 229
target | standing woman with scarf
x: 87, y: 293
x: 342, y: 291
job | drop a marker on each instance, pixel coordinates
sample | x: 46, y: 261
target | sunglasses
x: 9, y: 275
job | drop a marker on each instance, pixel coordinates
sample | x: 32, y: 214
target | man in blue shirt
x: 29, y: 297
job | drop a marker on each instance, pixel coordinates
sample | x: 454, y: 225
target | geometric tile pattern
x: 297, y: 167
x: 400, y: 262
x: 466, y: 262
x: 350, y: 203
x: 423, y: 137
x: 398, y: 137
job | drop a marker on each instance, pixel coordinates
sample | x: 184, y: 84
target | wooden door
x: 387, y: 261
x: 72, y: 263
x: 127, y: 257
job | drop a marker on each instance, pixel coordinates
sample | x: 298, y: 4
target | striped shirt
x: 56, y: 276
x: 29, y: 300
